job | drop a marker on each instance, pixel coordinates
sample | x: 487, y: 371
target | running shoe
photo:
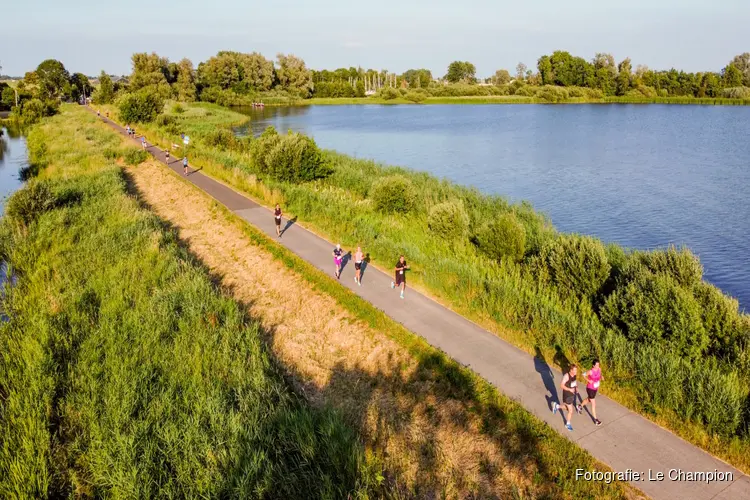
x: 392, y: 285
x: 569, y: 427
x: 402, y: 295
x: 555, y: 406
x: 597, y: 422
x: 579, y: 409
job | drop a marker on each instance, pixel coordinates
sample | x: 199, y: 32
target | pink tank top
x: 594, y: 377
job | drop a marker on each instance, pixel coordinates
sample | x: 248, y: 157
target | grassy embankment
x: 512, y: 99
x: 700, y: 398
x: 125, y: 372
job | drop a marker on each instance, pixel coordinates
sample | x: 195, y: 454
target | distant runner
x: 277, y: 220
x: 593, y: 379
x: 358, y: 257
x: 569, y: 387
x: 166, y: 156
x: 338, y: 257
x: 143, y: 141
x: 97, y: 113
x: 127, y: 129
x: 184, y: 164
x: 401, y: 267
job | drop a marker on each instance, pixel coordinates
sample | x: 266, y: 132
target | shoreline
x: 459, y: 100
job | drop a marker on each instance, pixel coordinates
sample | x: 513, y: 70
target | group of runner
x: 569, y: 386
x: 359, y: 258
x: 131, y: 133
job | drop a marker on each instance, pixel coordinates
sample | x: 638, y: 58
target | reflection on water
x: 640, y: 176
x: 13, y: 160
x: 263, y: 117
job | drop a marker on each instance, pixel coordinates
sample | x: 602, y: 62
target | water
x: 12, y: 160
x: 641, y: 176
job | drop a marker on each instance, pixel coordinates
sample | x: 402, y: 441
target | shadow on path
x: 289, y: 223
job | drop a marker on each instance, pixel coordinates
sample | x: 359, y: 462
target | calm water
x: 641, y: 176
x: 12, y: 159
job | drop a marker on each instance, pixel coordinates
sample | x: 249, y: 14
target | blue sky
x: 381, y: 34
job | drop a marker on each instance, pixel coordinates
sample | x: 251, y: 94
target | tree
x: 521, y: 71
x: 293, y: 75
x: 731, y: 76
x: 185, y: 85
x: 461, y: 71
x: 418, y: 78
x: 79, y: 86
x: 53, y: 80
x: 258, y: 71
x: 544, y: 65
x: 150, y: 71
x: 624, y: 76
x: 106, y: 93
x: 742, y: 63
x: 501, y: 77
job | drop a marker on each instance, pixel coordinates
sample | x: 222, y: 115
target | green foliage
x: 80, y: 86
x: 27, y: 204
x: 178, y: 109
x: 293, y: 75
x: 184, y: 87
x: 736, y: 93
x: 576, y: 265
x: 461, y: 71
x: 722, y: 321
x: 731, y: 76
x: 105, y: 94
x: 150, y: 74
x: 652, y: 308
x: 503, y: 237
x: 292, y: 157
x: 394, y: 193
x: 550, y: 93
x: 680, y: 265
x: 388, y: 93
x: 53, y: 80
x: 416, y: 96
x: 135, y: 156
x: 142, y: 106
x: 449, y: 220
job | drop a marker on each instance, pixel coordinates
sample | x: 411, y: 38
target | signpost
x: 185, y: 141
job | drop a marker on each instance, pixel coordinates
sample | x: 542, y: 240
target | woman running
x: 277, y: 220
x: 166, y: 156
x: 338, y: 257
x: 358, y: 257
x: 401, y: 267
x: 184, y: 164
x: 143, y: 141
x: 593, y: 379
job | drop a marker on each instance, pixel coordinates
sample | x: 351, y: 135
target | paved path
x: 624, y: 441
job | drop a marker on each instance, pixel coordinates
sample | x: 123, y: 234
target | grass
x: 501, y: 296
x: 125, y: 371
x: 438, y: 429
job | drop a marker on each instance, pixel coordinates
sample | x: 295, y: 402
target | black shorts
x: 400, y: 278
x: 278, y: 220
x: 569, y: 398
x: 357, y: 266
x: 591, y: 393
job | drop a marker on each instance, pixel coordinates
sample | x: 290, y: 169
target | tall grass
x: 503, y: 295
x: 125, y: 372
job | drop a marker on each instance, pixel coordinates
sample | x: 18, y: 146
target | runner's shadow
x: 345, y: 260
x: 365, y: 263
x: 548, y: 377
x: 195, y: 170
x: 289, y: 223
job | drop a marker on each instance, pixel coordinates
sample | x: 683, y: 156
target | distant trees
x: 80, y: 86
x: 623, y: 76
x: 461, y: 71
x: 52, y: 80
x: 293, y: 75
x: 184, y: 87
x: 731, y: 76
x: 521, y: 71
x: 742, y: 63
x: 150, y: 72
x: 501, y: 77
x: 105, y: 94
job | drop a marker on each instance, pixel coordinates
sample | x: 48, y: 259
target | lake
x: 12, y: 159
x: 643, y: 176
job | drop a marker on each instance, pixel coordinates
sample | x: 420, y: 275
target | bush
x: 416, y: 97
x: 736, y: 93
x: 654, y: 309
x: 165, y: 120
x: 577, y: 265
x: 178, y: 109
x: 504, y: 237
x: 448, y: 220
x: 394, y: 194
x: 135, y: 156
x: 30, y: 202
x: 223, y: 139
x: 293, y: 157
x: 722, y: 321
x: 525, y: 91
x: 681, y: 265
x: 140, y: 107
x: 388, y: 93
x: 552, y: 93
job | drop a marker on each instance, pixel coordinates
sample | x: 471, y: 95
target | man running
x: 143, y: 141
x: 277, y: 220
x: 570, y: 392
x: 338, y: 257
x: 593, y: 378
x: 358, y: 257
x: 127, y: 129
x: 401, y: 267
x: 184, y: 164
x: 166, y: 156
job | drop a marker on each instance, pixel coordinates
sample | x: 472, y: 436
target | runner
x: 166, y: 156
x: 593, y: 378
x: 569, y: 387
x: 358, y: 257
x: 338, y: 256
x: 97, y: 113
x: 277, y: 220
x: 127, y: 129
x: 143, y: 141
x: 184, y: 164
x: 401, y: 267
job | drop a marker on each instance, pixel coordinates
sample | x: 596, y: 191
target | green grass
x: 502, y: 296
x: 125, y: 372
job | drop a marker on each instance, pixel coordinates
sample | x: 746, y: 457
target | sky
x: 382, y: 34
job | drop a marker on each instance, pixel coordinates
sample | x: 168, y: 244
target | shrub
x: 178, y: 109
x: 577, y: 265
x: 552, y: 93
x: 135, y: 156
x: 140, y: 107
x: 164, y: 120
x: 655, y: 309
x: 416, y: 96
x: 293, y: 157
x: 681, y: 265
x: 403, y: 92
x: 503, y: 237
x: 722, y: 321
x: 111, y: 153
x: 736, y: 93
x: 32, y: 111
x: 525, y: 91
x: 394, y: 194
x: 448, y: 220
x: 28, y: 203
x: 221, y: 138
x: 388, y: 93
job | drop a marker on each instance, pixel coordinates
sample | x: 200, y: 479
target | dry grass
x: 432, y: 441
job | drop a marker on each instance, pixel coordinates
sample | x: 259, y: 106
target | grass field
x: 125, y: 371
x: 501, y: 296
